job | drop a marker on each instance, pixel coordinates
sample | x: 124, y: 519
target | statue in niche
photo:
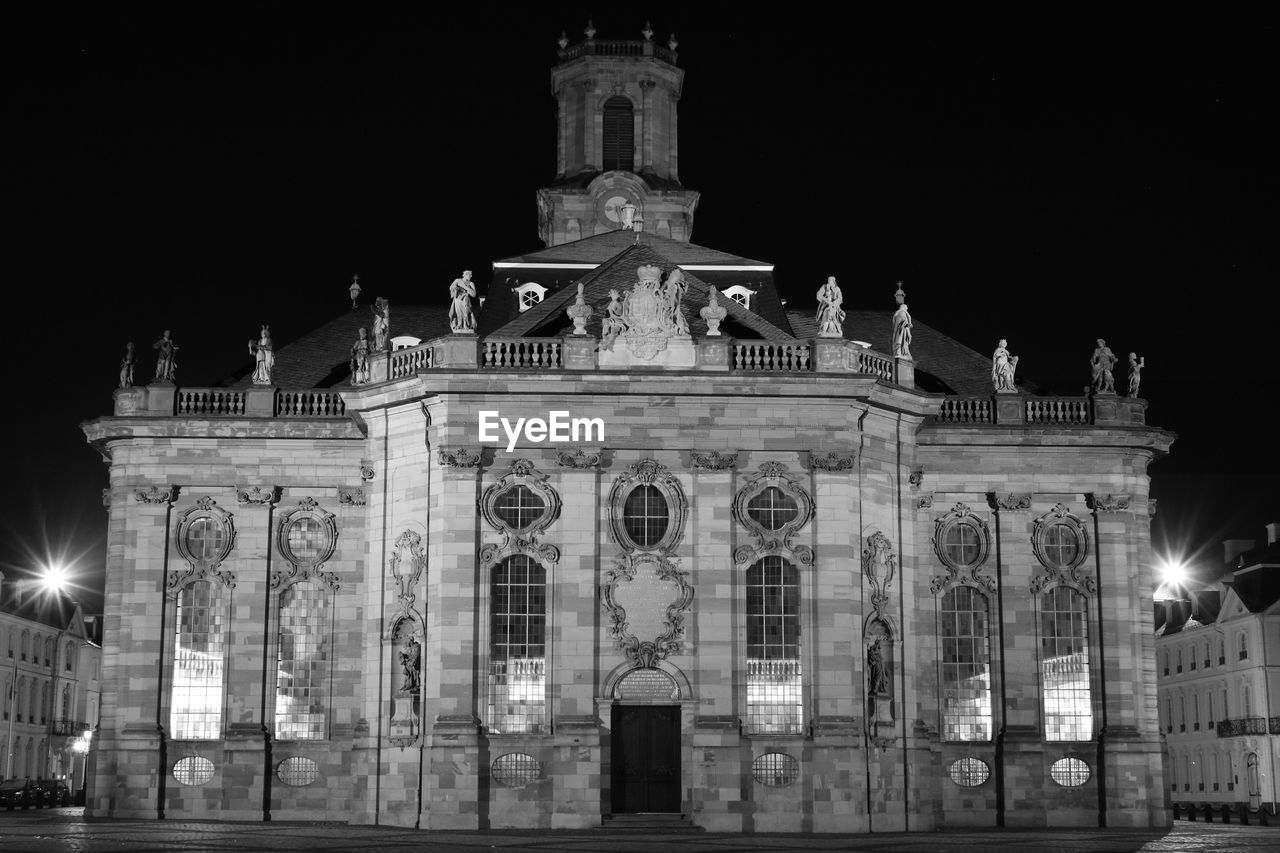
x: 613, y: 324
x: 830, y: 314
x: 360, y: 359
x: 263, y: 357
x: 1103, y: 361
x: 411, y: 663
x: 1135, y: 372
x: 166, y: 361
x: 1002, y: 367
x: 877, y: 671
x: 901, y: 326
x: 461, y: 292
x: 126, y: 366
x: 381, y: 324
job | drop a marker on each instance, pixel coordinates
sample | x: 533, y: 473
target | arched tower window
x: 1244, y: 646
x: 619, y: 135
x: 1064, y: 666
x: 518, y: 643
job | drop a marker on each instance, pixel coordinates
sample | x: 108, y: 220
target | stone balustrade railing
x: 1058, y: 411
x: 772, y: 357
x: 210, y: 402
x: 871, y: 362
x: 1249, y: 726
x: 521, y: 353
x: 605, y: 47
x: 1017, y: 409
x: 257, y: 401
x: 324, y: 403
x: 408, y: 361
x: 967, y: 410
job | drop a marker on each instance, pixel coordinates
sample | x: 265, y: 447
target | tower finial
x: 672, y: 43
x: 647, y: 32
x: 563, y: 41
x: 590, y: 31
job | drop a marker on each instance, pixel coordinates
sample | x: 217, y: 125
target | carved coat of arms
x: 651, y: 311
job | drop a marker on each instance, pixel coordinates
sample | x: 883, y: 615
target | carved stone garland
x: 301, y: 568
x: 523, y: 540
x: 773, y: 543
x: 648, y: 580
x: 958, y: 574
x: 200, y: 567
x: 1070, y: 573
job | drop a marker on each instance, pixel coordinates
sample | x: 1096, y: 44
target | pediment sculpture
x: 651, y: 313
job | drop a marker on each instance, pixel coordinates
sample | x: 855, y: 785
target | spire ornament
x: 590, y: 31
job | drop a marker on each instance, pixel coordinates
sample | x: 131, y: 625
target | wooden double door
x: 646, y: 759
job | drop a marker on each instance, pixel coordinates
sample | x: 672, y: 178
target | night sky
x: 1050, y: 181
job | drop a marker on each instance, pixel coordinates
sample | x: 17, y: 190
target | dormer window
x: 530, y: 294
x: 739, y: 294
x: 404, y: 342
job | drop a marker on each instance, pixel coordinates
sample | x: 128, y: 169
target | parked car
x: 59, y: 793
x: 21, y: 794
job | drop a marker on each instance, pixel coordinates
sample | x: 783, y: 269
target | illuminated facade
x: 790, y: 582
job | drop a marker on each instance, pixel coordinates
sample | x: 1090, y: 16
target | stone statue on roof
x: 613, y: 324
x: 830, y: 314
x: 126, y: 366
x: 264, y: 357
x: 1135, y: 372
x: 381, y: 324
x: 461, y: 292
x: 1002, y: 367
x: 901, y: 326
x: 1104, y: 382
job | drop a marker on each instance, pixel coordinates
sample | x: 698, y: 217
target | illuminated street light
x: 1173, y: 572
x: 55, y: 579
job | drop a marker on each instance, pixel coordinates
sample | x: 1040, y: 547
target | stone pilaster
x: 573, y: 604
x: 452, y: 796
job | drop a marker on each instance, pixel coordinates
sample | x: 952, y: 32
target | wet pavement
x: 67, y: 830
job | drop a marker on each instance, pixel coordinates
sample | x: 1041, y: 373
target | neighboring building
x: 50, y: 664
x: 775, y: 582
x: 1218, y: 660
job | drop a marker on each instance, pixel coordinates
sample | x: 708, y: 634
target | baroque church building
x: 629, y: 538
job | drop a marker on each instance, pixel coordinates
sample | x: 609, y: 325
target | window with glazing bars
x: 519, y: 507
x: 775, y: 701
x: 1064, y: 665
x: 199, y: 650
x: 302, y: 672
x: 645, y: 516
x: 517, y: 648
x: 619, y: 134
x: 965, y: 665
x: 772, y: 509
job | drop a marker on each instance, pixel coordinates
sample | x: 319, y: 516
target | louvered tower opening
x: 619, y: 135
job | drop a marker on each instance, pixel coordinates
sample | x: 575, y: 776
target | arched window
x: 44, y: 704
x: 26, y: 644
x: 7, y: 697
x: 1208, y: 706
x: 1179, y: 659
x: 36, y: 645
x: 1222, y: 652
x: 48, y: 652
x: 1195, y: 712
x: 619, y: 135
x: 775, y: 703
x: 1064, y: 665
x: 1185, y: 766
x: 66, y: 702
x: 1210, y: 767
x: 31, y: 703
x: 1244, y: 645
x: 69, y: 657
x: 1182, y: 713
x: 1164, y: 662
x: 1226, y: 714
x: 1246, y: 695
x: 13, y: 642
x: 199, y: 651
x: 1207, y: 659
x: 302, y: 676
x: 965, y: 665
x: 517, y: 645
x: 1168, y: 715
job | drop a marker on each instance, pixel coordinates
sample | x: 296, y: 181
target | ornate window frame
x: 961, y: 574
x: 773, y: 543
x: 205, y: 508
x: 520, y: 540
x: 305, y: 569
x: 648, y: 472
x: 1055, y: 572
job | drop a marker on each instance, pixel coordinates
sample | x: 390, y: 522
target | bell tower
x: 616, y: 149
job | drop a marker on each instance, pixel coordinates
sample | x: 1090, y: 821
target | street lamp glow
x: 56, y: 578
x: 1173, y: 572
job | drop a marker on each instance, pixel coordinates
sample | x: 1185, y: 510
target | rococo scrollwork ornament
x: 1061, y: 544
x: 650, y: 632
x: 407, y: 564
x: 520, y: 506
x: 712, y: 460
x: 205, y: 538
x: 257, y: 495
x: 1013, y: 501
x: 351, y: 496
x: 460, y: 458
x: 1109, y: 503
x: 578, y: 459
x: 649, y: 472
x: 156, y: 495
x: 962, y: 541
x: 305, y: 537
x: 833, y: 460
x: 879, y: 566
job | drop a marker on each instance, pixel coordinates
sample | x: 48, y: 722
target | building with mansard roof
x: 1217, y: 643
x: 634, y: 543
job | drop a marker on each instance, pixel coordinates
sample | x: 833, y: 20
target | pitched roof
x: 600, y: 247
x: 19, y: 597
x: 620, y: 273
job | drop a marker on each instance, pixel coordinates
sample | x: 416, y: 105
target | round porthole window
x: 297, y: 771
x: 516, y: 769
x: 645, y: 516
x: 969, y: 772
x: 1069, y: 772
x: 193, y: 770
x: 775, y: 769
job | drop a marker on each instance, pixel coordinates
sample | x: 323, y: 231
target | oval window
x: 962, y: 544
x: 645, y: 516
x: 297, y: 771
x: 772, y: 509
x: 306, y: 540
x: 775, y: 769
x: 204, y: 539
x: 519, y: 507
x: 1061, y: 546
x: 516, y: 769
x: 969, y: 772
x: 193, y: 770
x: 1069, y: 772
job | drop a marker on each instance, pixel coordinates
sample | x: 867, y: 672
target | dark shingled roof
x: 322, y: 358
x: 20, y: 597
x: 548, y: 317
x: 600, y: 247
x: 943, y: 364
x: 1257, y: 589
